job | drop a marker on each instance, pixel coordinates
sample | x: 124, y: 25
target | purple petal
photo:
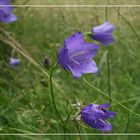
x: 90, y: 106
x: 88, y: 51
x: 104, y: 105
x: 14, y: 61
x: 89, y: 67
x: 5, y: 6
x: 92, y: 112
x: 9, y: 18
x: 7, y: 9
x: 95, y: 116
x: 83, y: 68
x: 5, y: 12
x: 106, y: 27
x: 99, y: 124
x: 4, y: 2
x: 1, y: 14
x: 109, y: 114
x: 91, y: 49
x: 74, y: 42
x: 105, y: 39
x: 63, y: 57
x: 89, y: 109
x: 76, y: 73
x: 103, y: 125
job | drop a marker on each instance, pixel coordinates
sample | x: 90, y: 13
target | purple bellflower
x: 14, y: 62
x: 95, y: 116
x: 5, y: 12
x: 103, y: 33
x: 76, y: 55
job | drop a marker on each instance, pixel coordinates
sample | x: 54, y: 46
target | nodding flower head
x: 76, y: 55
x: 95, y: 116
x: 6, y: 15
x: 103, y: 33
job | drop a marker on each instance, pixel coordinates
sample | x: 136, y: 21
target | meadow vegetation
x: 26, y: 104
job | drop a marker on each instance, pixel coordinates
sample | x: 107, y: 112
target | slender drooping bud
x: 46, y: 62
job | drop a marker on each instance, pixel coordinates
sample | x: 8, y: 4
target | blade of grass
x: 129, y: 24
x: 129, y: 116
x: 128, y: 100
x: 108, y: 60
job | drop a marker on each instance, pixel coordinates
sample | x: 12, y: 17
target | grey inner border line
x: 72, y: 134
x: 72, y: 6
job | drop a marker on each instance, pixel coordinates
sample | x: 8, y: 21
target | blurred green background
x: 26, y: 105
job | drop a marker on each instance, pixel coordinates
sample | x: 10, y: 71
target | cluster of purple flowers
x: 76, y: 55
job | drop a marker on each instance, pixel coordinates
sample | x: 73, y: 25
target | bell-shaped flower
x: 76, y: 55
x: 103, y: 33
x: 95, y: 116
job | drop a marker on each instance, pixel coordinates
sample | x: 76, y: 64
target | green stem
x: 106, y: 13
x: 108, y: 75
x: 114, y: 100
x: 68, y: 116
x: 129, y: 116
x: 108, y: 61
x: 52, y: 95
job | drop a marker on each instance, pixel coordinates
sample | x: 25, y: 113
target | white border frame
x: 71, y: 134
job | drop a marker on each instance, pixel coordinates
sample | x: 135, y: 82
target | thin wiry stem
x: 108, y: 61
x: 106, y: 13
x: 126, y: 20
x: 52, y: 95
x: 128, y: 100
x: 108, y: 75
x: 67, y: 118
x: 114, y: 100
x: 129, y: 116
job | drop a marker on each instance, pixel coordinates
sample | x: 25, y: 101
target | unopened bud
x: 46, y: 62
